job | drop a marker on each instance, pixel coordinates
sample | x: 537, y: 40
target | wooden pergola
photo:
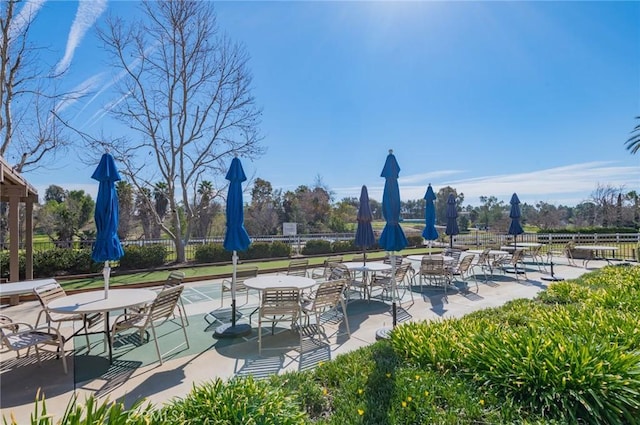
x: 14, y: 190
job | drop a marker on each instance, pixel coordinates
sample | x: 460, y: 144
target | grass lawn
x: 197, y: 272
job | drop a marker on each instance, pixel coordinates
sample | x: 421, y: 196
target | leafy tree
x: 189, y: 99
x: 441, y: 203
x: 262, y: 215
x: 343, y: 217
x: 61, y: 221
x: 490, y: 212
x: 55, y: 193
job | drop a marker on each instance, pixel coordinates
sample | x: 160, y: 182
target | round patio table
x: 95, y: 302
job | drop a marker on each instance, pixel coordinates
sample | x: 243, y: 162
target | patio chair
x: 52, y: 291
x: 454, y: 253
x: 176, y: 278
x: 17, y: 336
x: 277, y: 305
x: 327, y: 297
x: 535, y: 255
x: 161, y: 310
x: 401, y: 280
x: 242, y: 273
x: 298, y: 267
x: 483, y: 263
x: 434, y: 271
x: 339, y: 271
x: 463, y: 270
x: 513, y: 261
x: 322, y: 273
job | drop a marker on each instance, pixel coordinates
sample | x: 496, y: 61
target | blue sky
x: 491, y: 98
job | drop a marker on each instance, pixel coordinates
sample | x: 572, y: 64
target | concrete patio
x: 131, y: 378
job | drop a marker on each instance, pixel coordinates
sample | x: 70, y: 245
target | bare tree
x: 30, y: 133
x: 186, y: 94
x: 605, y: 198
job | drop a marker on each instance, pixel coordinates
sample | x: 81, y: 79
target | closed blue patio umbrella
x: 515, y: 228
x: 107, y: 246
x: 392, y: 238
x: 452, y: 219
x: 235, y: 239
x: 430, y: 233
x: 364, y: 233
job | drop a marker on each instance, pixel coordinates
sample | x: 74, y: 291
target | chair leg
x: 155, y: 340
x: 346, y: 318
x: 184, y: 311
x: 259, y: 335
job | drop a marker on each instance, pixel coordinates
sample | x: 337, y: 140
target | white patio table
x: 95, y: 302
x: 367, y: 270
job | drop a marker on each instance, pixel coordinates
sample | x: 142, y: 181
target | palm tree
x: 633, y: 144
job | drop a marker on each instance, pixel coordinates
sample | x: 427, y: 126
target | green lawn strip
x: 194, y: 273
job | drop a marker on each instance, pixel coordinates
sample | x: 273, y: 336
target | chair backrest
x: 339, y: 271
x: 246, y: 272
x: 298, y: 267
x: 401, y: 271
x: 163, y: 306
x: 174, y: 278
x: 455, y: 253
x: 431, y: 266
x: 280, y: 301
x: 358, y: 258
x: 329, y: 293
x: 49, y: 292
x: 483, y: 258
x: 517, y: 256
x: 398, y: 259
x: 465, y: 264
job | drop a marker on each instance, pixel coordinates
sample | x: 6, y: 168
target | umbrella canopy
x: 430, y: 233
x: 107, y: 246
x: 235, y: 239
x: 392, y: 237
x: 514, y: 214
x: 452, y: 218
x: 364, y: 233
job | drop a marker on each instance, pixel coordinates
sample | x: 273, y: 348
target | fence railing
x: 627, y: 244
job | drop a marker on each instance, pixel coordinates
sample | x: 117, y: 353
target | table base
x: 383, y: 333
x: 232, y: 331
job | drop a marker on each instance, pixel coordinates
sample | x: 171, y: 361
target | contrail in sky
x: 24, y: 17
x: 86, y: 15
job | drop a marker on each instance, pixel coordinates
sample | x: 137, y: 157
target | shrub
x: 317, y: 246
x: 256, y: 250
x: 143, y: 257
x: 280, y: 249
x: 4, y: 265
x: 344, y: 246
x: 211, y: 253
x: 237, y: 401
x: 415, y: 240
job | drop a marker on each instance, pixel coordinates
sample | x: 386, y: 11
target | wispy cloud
x: 24, y: 17
x: 83, y: 89
x: 86, y: 15
x: 566, y: 185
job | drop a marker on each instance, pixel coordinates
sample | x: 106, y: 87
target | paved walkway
x: 21, y: 378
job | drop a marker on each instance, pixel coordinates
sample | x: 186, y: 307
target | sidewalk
x: 20, y: 381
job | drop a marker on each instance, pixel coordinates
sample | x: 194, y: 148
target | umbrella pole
x: 233, y: 288
x: 106, y: 272
x: 393, y: 289
x: 364, y: 255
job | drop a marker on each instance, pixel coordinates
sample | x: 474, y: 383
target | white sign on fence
x: 289, y: 229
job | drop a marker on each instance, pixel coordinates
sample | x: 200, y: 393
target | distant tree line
x: 68, y: 215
